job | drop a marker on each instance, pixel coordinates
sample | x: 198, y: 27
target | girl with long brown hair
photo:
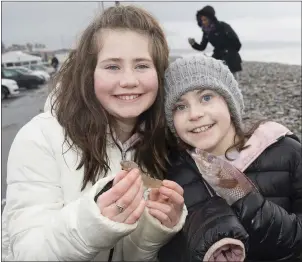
x: 67, y: 197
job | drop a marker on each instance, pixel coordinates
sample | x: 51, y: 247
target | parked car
x: 8, y: 87
x: 22, y: 79
x: 44, y: 67
x: 39, y: 73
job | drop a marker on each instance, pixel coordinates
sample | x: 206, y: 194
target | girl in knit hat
x: 204, y: 108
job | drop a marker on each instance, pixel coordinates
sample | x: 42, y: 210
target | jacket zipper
x: 207, y: 187
x: 194, y: 167
x: 110, y: 254
x: 123, y: 153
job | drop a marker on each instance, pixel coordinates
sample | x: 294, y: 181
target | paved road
x: 16, y: 112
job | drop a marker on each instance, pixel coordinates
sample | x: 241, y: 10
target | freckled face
x: 125, y: 78
x: 202, y: 120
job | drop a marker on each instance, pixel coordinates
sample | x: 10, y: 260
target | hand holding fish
x: 166, y: 203
x: 228, y: 182
x: 123, y: 202
x: 165, y: 199
x: 148, y: 181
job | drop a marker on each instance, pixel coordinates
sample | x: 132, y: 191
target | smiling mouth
x: 202, y: 129
x: 127, y: 97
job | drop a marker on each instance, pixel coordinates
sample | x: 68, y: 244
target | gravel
x: 272, y: 91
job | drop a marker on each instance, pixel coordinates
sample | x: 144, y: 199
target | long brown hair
x: 82, y: 116
x: 242, y: 136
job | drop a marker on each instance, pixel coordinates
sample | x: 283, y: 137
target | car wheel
x: 4, y: 92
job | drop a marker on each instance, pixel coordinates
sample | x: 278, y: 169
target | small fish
x: 148, y: 181
x: 229, y: 182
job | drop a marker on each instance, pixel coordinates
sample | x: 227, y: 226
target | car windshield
x: 23, y: 70
x: 9, y: 73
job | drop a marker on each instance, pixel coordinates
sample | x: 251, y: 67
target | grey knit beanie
x: 201, y: 72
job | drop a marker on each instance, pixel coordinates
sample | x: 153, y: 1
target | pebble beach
x: 272, y: 91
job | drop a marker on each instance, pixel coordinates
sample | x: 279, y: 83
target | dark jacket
x: 54, y: 62
x: 207, y: 222
x: 272, y: 218
x: 223, y: 38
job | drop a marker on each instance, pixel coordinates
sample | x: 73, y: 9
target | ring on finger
x: 120, y: 208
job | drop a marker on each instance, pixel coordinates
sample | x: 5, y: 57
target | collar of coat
x: 265, y: 135
x: 112, y: 139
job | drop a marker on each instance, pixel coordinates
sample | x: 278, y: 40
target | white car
x: 40, y: 67
x: 42, y: 74
x: 49, y: 69
x: 8, y: 87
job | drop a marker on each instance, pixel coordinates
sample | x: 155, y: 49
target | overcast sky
x: 57, y: 24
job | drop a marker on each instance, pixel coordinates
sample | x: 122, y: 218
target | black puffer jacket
x: 273, y: 218
x: 223, y: 38
x: 207, y: 223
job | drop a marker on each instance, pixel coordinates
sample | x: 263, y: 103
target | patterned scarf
x: 208, y: 28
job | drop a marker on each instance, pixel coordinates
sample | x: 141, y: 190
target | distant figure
x: 55, y: 63
x: 221, y: 36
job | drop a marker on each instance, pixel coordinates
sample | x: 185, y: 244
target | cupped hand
x: 124, y: 202
x: 166, y: 203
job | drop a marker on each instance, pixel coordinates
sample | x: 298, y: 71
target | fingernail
x: 135, y: 171
x: 164, y: 181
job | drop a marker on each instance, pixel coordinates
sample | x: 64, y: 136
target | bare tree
x: 2, y: 47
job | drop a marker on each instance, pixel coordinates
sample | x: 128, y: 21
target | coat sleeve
x: 210, y: 219
x: 275, y: 234
x: 149, y: 237
x: 203, y: 44
x: 40, y: 226
x: 233, y: 41
x: 210, y: 223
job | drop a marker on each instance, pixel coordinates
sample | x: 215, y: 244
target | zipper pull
x: 123, y: 155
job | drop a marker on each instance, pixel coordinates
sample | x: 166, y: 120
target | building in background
x: 19, y: 58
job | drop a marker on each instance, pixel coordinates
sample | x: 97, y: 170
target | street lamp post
x: 99, y: 6
x: 117, y: 3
